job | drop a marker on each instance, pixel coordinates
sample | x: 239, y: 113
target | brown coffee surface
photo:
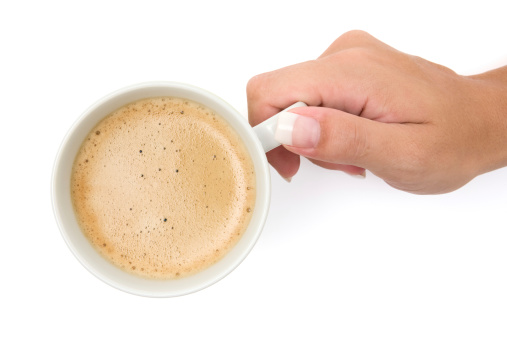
x: 163, y: 187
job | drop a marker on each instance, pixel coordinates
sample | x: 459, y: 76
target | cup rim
x: 256, y: 152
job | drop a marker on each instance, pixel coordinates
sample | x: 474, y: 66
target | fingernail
x: 288, y: 179
x: 297, y: 130
x: 360, y: 176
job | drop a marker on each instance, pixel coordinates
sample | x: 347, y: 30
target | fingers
x: 343, y: 79
x: 311, y: 82
x: 353, y: 39
x: 340, y: 85
x: 271, y: 92
x: 349, y: 169
x: 285, y: 162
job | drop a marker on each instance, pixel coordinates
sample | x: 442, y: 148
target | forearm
x: 490, y: 91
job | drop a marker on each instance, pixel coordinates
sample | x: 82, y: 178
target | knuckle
x: 254, y: 85
x: 255, y: 92
x: 355, y: 34
x: 348, y: 40
x: 354, y: 37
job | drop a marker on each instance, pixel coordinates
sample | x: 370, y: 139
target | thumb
x: 334, y: 136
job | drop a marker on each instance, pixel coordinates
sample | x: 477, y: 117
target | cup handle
x: 266, y: 130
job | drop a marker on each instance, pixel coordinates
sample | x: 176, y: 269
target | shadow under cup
x: 83, y: 249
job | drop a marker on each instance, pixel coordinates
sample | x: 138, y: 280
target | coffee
x: 163, y: 187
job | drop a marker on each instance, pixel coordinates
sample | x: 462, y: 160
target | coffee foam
x: 163, y: 187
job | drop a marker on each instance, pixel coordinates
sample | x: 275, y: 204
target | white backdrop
x: 338, y: 257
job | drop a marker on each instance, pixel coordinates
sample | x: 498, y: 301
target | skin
x: 418, y: 125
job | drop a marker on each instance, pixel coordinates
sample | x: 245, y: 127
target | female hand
x: 417, y: 125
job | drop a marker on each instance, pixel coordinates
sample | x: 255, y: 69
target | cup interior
x: 82, y: 248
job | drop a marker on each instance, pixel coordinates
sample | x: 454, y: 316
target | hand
x: 417, y: 125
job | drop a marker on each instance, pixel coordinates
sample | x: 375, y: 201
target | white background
x: 338, y: 256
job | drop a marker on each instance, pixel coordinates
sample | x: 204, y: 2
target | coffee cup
x: 257, y: 141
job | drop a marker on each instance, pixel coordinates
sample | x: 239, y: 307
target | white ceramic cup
x: 257, y: 140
